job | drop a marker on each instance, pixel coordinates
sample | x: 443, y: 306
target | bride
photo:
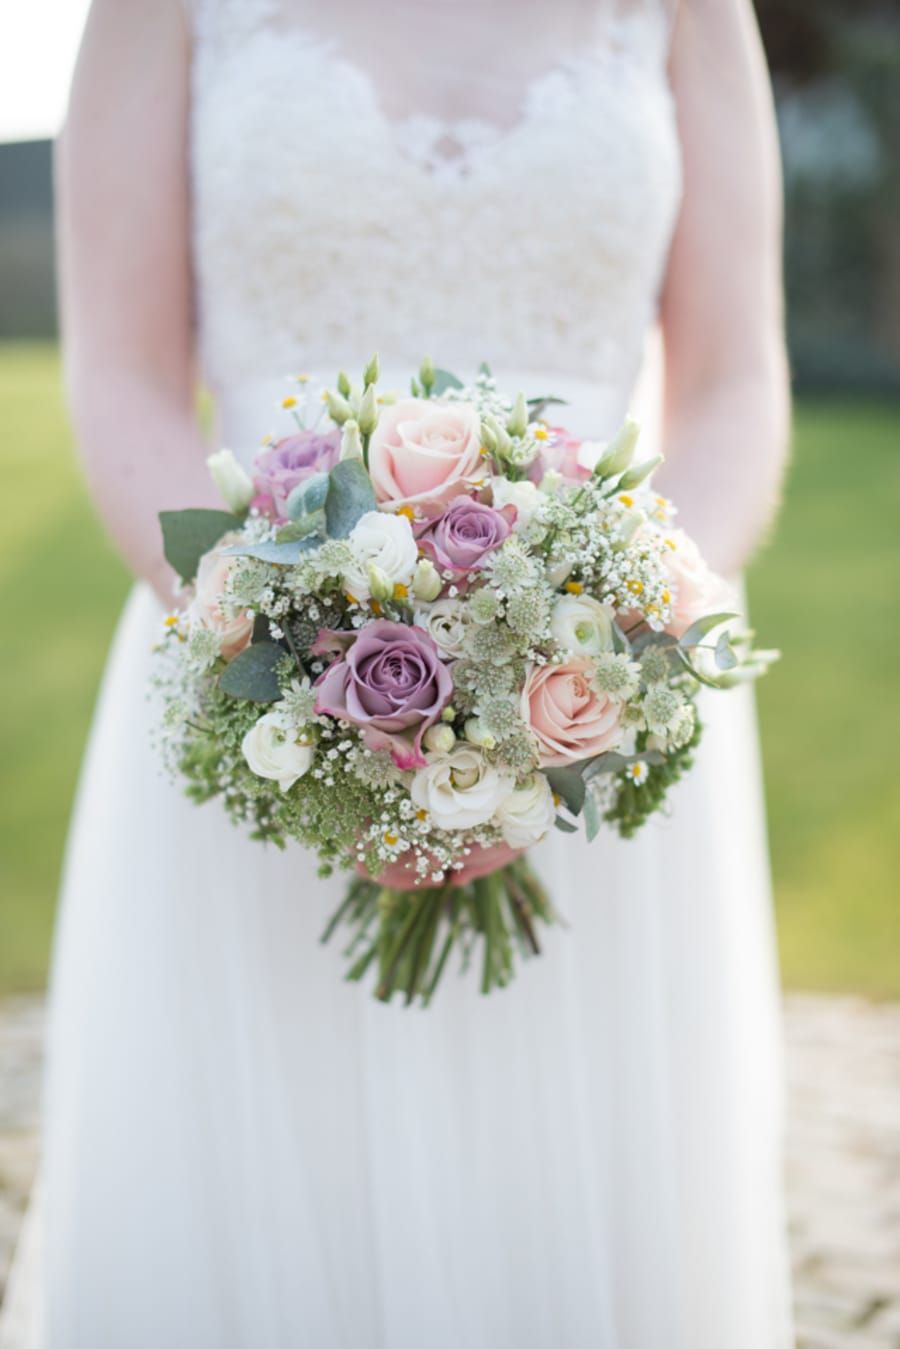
x: 241, y: 1149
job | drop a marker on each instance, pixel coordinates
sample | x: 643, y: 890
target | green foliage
x: 188, y: 534
x: 350, y: 496
x: 252, y: 673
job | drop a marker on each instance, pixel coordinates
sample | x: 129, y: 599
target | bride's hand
x: 481, y: 862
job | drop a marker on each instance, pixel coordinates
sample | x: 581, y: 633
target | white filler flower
x: 582, y: 625
x: 386, y: 541
x: 527, y: 813
x: 273, y: 751
x: 460, y: 790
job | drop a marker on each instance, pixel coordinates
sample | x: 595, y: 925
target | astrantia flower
x: 616, y: 675
x: 662, y: 708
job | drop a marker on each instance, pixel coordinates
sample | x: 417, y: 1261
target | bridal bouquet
x: 427, y: 630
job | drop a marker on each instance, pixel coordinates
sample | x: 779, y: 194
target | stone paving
x: 843, y: 1165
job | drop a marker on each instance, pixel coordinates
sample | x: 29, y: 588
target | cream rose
x: 448, y: 623
x: 527, y: 813
x: 205, y: 610
x: 460, y: 790
x: 697, y: 589
x: 569, y: 718
x: 423, y: 452
x: 582, y: 625
x: 272, y: 750
x: 385, y: 542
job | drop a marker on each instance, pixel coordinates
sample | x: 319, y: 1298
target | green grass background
x: 825, y: 591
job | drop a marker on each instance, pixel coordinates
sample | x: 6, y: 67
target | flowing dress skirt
x: 242, y: 1149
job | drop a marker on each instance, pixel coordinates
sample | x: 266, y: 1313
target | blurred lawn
x: 824, y: 591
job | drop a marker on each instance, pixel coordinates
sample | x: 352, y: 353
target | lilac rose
x: 458, y: 539
x: 388, y: 679
x: 282, y: 466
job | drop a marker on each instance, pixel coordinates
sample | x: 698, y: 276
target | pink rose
x: 696, y: 588
x: 569, y: 718
x: 279, y: 469
x: 233, y: 633
x: 390, y: 680
x: 562, y: 456
x: 424, y: 452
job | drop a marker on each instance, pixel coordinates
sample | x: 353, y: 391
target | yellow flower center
x: 540, y: 433
x: 400, y: 592
x: 626, y: 500
x: 289, y: 402
x: 635, y: 587
x: 391, y: 840
x: 408, y: 512
x: 421, y: 814
x: 574, y: 587
x: 671, y: 544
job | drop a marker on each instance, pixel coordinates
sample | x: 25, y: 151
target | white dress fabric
x: 242, y: 1150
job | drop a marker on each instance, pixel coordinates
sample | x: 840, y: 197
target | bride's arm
x: 727, y: 401
x: 122, y: 193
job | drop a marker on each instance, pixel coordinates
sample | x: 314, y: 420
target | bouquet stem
x: 410, y: 934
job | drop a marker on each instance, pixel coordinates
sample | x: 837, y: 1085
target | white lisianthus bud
x: 343, y: 383
x: 620, y: 450
x: 427, y: 582
x: 426, y: 375
x: 558, y: 575
x: 372, y: 371
x: 338, y: 408
x: 503, y: 442
x: 351, y: 441
x: 523, y: 495
x: 582, y: 625
x: 476, y: 734
x: 389, y: 396
x: 488, y: 439
x: 385, y: 541
x: 439, y: 739
x: 368, y: 411
x: 381, y: 587
x: 517, y: 424
x: 551, y: 482
x: 233, y: 482
x: 527, y: 813
x: 630, y: 526
x: 460, y: 790
x: 272, y: 751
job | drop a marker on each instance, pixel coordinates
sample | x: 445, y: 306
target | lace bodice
x: 331, y: 219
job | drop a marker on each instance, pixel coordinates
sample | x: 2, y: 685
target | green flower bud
x: 518, y: 418
x: 503, y: 442
x: 426, y: 581
x: 368, y: 411
x: 476, y: 734
x: 619, y: 451
x: 448, y: 714
x: 488, y: 439
x: 343, y: 383
x: 635, y: 476
x: 381, y: 587
x: 351, y: 441
x: 338, y: 408
x: 372, y: 371
x: 426, y: 375
x: 551, y: 482
x: 439, y: 739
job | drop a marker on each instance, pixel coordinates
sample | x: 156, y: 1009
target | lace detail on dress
x: 326, y: 226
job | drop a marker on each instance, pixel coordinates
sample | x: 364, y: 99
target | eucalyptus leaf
x: 350, y: 496
x: 621, y: 643
x: 308, y: 496
x: 260, y: 629
x: 484, y: 369
x: 568, y: 784
x: 697, y: 631
x: 593, y: 820
x: 605, y: 763
x: 252, y: 675
x: 642, y: 640
x: 187, y: 535
x: 444, y: 380
x: 302, y: 528
x: 565, y: 826
x: 726, y: 657
x: 708, y: 680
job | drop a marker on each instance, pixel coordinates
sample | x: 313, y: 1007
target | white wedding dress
x: 242, y: 1150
